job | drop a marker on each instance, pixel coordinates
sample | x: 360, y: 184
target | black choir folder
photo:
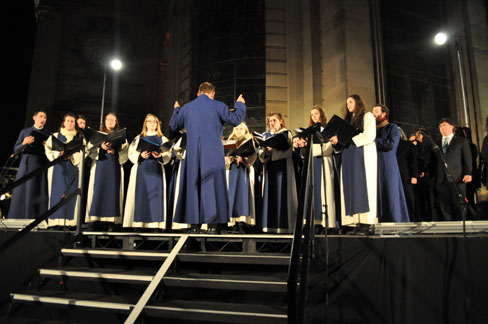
x: 277, y: 141
x: 243, y: 149
x: 75, y: 144
x: 146, y: 145
x: 39, y: 137
x: 344, y: 131
x: 116, y: 138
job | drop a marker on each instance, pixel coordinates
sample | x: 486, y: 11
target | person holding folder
x: 240, y: 179
x: 359, y: 169
x: 145, y: 205
x: 63, y: 177
x: 278, y: 189
x: 106, y: 184
x: 323, y: 173
x: 30, y: 200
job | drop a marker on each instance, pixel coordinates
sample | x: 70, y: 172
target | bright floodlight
x: 440, y: 38
x: 116, y: 64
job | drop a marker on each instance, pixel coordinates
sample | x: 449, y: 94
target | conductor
x: 203, y: 118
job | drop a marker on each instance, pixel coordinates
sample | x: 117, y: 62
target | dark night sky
x: 18, y: 37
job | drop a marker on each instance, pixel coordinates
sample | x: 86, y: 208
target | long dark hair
x: 355, y: 118
x: 323, y: 119
x: 116, y: 127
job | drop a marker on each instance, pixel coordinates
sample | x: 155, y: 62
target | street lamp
x: 440, y: 39
x: 116, y: 65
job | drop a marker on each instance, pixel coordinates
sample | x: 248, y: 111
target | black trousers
x: 450, y: 204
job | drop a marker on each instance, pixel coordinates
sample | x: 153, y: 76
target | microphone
x: 434, y: 145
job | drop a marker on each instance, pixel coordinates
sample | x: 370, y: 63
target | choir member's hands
x: 467, y: 178
x: 176, y: 105
x: 111, y: 151
x: 239, y: 160
x: 106, y: 146
x: 145, y: 155
x: 228, y: 161
x: 241, y: 99
x: 28, y: 140
x: 422, y: 174
x: 156, y: 155
x: 61, y: 153
x: 413, y: 181
x: 334, y: 140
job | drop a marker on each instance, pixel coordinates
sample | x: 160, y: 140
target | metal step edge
x: 146, y: 278
x: 160, y: 254
x: 128, y: 307
x: 95, y: 275
x: 216, y: 312
x: 71, y: 302
x: 95, y: 252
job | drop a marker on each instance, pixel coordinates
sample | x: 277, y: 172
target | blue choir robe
x: 145, y: 205
x: 105, y: 195
x: 359, y: 176
x: 206, y: 200
x: 240, y: 188
x: 392, y: 205
x: 63, y: 179
x: 177, y: 188
x: 280, y: 202
x: 324, y: 196
x: 30, y: 199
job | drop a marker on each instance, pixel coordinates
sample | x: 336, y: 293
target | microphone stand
x: 326, y: 217
x: 463, y: 203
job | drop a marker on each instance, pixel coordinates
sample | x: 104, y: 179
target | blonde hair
x: 247, y: 135
x: 158, y: 129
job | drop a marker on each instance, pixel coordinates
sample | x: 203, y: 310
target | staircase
x: 147, y: 277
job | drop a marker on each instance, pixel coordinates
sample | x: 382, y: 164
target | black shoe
x: 361, y: 229
x: 319, y: 229
x: 242, y: 228
x: 194, y: 229
x: 213, y: 229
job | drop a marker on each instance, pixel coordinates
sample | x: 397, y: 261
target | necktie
x: 445, y: 144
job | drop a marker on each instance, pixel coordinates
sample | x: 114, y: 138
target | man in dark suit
x: 457, y: 155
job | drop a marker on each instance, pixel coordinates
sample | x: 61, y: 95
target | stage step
x: 209, y: 257
x: 194, y: 280
x: 175, y: 309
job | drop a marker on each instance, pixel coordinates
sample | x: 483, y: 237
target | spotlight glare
x: 116, y: 64
x: 440, y: 38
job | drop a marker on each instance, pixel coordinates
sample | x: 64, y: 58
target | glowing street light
x: 116, y: 65
x: 440, y: 39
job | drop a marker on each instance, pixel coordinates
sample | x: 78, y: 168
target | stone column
x: 347, y: 56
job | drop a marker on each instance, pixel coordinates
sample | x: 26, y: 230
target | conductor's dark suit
x: 458, y: 159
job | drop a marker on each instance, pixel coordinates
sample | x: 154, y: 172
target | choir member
x: 145, y: 205
x: 177, y: 192
x: 240, y: 182
x: 407, y: 157
x: 106, y: 185
x: 30, y: 200
x: 392, y: 205
x: 64, y: 176
x: 279, y: 189
x: 359, y: 169
x: 426, y: 202
x: 206, y: 193
x: 323, y: 173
